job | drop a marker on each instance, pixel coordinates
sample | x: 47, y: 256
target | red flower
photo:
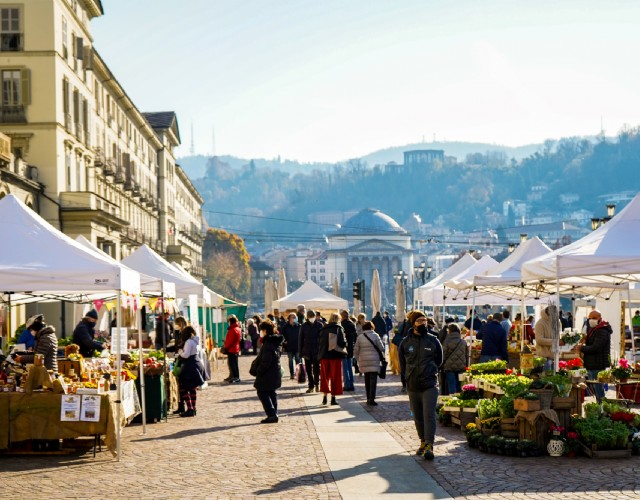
x: 509, y: 371
x: 572, y: 435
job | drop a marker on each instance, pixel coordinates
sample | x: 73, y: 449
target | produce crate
x: 463, y: 419
x: 558, y: 403
x: 629, y: 391
x: 593, y: 452
x: 527, y: 404
x: 508, y: 428
x: 546, y: 395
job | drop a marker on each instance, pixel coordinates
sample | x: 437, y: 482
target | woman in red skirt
x: 331, y: 349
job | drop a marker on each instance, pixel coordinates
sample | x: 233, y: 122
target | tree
x: 226, y: 262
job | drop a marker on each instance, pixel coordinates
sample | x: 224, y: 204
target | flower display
x: 623, y: 370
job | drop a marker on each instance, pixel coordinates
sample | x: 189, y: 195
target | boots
x: 333, y: 401
x: 180, y: 408
x: 324, y: 399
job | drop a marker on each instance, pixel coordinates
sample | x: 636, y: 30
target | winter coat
x: 290, y: 333
x: 420, y: 357
x: 47, y: 345
x: 388, y: 323
x: 163, y: 327
x: 494, y: 341
x: 254, y: 335
x: 192, y: 374
x: 367, y: 355
x: 267, y: 363
x: 232, y: 340
x: 350, y: 335
x: 455, y: 353
x: 402, y: 331
x: 308, y: 342
x: 597, y: 347
x: 83, y: 337
x: 379, y: 324
x: 544, y: 336
x: 477, y: 324
x: 323, y: 342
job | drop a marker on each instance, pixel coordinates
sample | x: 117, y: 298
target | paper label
x: 90, y: 408
x: 119, y: 337
x: 70, y: 408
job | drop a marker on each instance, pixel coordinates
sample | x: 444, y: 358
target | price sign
x: 118, y: 337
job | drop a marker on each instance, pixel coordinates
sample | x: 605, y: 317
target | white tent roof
x: 39, y: 259
x: 146, y: 261
x: 464, y: 279
x: 431, y: 293
x: 148, y: 284
x: 610, y: 254
x: 209, y: 297
x: 312, y: 296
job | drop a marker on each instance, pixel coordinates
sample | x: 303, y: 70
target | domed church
x: 369, y: 240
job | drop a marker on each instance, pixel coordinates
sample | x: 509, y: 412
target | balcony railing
x: 79, y: 200
x: 11, y: 42
x: 13, y: 114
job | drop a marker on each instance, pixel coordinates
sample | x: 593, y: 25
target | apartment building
x: 106, y: 170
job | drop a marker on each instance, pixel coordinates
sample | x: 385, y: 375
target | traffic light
x: 356, y: 290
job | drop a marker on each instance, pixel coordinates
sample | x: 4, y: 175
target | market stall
x: 312, y: 296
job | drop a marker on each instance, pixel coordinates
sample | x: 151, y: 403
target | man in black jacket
x: 347, y: 363
x: 420, y: 357
x: 596, y: 349
x: 83, y: 334
x: 308, y: 349
x: 380, y: 325
x: 290, y: 331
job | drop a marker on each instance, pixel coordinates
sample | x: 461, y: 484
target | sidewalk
x: 365, y: 460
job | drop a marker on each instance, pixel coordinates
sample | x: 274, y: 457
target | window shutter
x: 80, y: 48
x: 25, y: 86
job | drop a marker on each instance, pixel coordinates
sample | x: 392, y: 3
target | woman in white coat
x: 368, y: 351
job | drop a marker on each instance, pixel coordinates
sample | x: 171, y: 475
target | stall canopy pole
x: 118, y: 376
x: 472, y: 332
x: 554, y: 324
x: 633, y: 342
x: 141, y: 375
x: 523, y: 318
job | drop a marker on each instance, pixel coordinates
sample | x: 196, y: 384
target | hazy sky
x: 327, y: 80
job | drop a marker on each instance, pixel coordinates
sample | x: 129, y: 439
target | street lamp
x: 597, y: 222
x: 419, y: 272
x: 512, y: 247
x: 523, y: 237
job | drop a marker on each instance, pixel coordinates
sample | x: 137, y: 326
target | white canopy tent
x: 43, y: 261
x: 431, y: 293
x: 609, y: 256
x: 312, y: 296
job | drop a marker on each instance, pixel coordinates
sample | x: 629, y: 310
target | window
x: 322, y: 262
x: 67, y: 161
x: 322, y: 277
x: 11, y: 83
x: 10, y: 35
x: 65, y: 40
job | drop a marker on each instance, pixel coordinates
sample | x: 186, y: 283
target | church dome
x: 370, y: 221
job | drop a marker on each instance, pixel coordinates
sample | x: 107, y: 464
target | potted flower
x: 570, y: 337
x: 470, y: 391
x: 604, y: 376
x: 527, y: 402
x: 572, y: 445
x: 556, y: 443
x: 623, y: 371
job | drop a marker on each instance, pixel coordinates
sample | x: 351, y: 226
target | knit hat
x: 92, y: 314
x: 412, y: 316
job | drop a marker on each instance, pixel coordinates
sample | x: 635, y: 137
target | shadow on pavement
x: 191, y: 432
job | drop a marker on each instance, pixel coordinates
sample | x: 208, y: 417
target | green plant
x: 505, y: 405
x: 603, y: 432
x: 531, y: 396
x: 623, y: 370
x: 592, y: 410
x: 561, y: 384
x: 489, y: 366
x: 488, y: 408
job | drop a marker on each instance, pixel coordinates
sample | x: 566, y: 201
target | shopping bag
x: 301, y: 374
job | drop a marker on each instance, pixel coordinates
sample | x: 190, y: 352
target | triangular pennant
x: 98, y: 304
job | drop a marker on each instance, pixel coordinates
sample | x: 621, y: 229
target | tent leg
x: 141, y: 367
x: 119, y: 378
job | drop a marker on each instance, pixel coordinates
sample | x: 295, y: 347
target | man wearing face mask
x: 596, y: 348
x: 420, y: 356
x: 308, y: 348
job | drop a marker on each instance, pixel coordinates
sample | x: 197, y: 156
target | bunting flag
x: 152, y: 304
x: 109, y: 305
x: 98, y: 304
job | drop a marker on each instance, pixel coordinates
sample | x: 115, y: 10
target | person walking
x: 389, y: 324
x: 252, y: 328
x: 347, y: 362
x: 369, y: 350
x: 290, y: 333
x: 192, y: 372
x: 455, y: 357
x: 179, y: 324
x: 359, y: 322
x: 494, y: 342
x: 266, y: 368
x: 420, y: 357
x: 332, y: 348
x: 308, y: 350
x: 232, y: 346
x: 595, y: 349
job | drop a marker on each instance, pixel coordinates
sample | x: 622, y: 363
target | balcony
x: 99, y: 160
x: 119, y: 175
x: 128, y: 185
x: 80, y: 209
x: 13, y: 114
x: 11, y: 42
x: 136, y: 189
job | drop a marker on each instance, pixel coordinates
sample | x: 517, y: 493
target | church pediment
x: 375, y: 246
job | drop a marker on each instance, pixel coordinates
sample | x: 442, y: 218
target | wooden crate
x: 558, y: 403
x: 593, y: 452
x: 463, y: 418
x: 538, y: 433
x: 526, y: 404
x: 508, y: 428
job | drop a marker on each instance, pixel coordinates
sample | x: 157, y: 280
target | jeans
x: 347, y: 373
x: 597, y: 389
x: 232, y: 360
x: 453, y: 383
x: 423, y: 405
x: 313, y: 371
x: 292, y: 368
x: 370, y: 385
x: 269, y: 400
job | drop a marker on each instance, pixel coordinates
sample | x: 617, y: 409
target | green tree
x: 226, y: 262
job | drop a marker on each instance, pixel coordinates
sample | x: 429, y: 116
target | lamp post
x: 512, y: 247
x: 523, y: 237
x: 596, y: 222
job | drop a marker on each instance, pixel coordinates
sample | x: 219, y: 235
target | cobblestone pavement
x: 225, y: 453
x: 468, y: 473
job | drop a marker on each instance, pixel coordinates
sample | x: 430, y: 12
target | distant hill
x: 195, y: 166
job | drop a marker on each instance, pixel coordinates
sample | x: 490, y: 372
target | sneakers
x: 428, y: 452
x: 310, y: 389
x: 420, y: 450
x: 403, y: 390
x: 234, y: 381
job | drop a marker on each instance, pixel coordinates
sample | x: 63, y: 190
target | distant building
x: 423, y: 157
x: 316, y: 269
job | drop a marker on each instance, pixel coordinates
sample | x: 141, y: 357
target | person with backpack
x: 369, y: 351
x: 455, y: 357
x: 403, y: 331
x: 347, y: 363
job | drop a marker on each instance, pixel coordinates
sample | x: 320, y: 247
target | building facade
x: 106, y: 170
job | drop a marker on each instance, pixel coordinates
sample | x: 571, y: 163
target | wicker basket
x: 546, y: 396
